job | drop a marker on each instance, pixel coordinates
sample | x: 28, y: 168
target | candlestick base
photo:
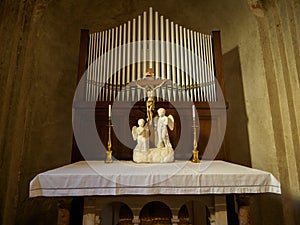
x: 195, y: 158
x: 108, y: 157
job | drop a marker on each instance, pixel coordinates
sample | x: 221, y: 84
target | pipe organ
x: 122, y: 54
x: 113, y: 60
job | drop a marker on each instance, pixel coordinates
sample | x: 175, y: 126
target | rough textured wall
x: 279, y: 36
x: 38, y: 76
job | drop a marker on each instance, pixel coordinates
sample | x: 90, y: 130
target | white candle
x: 109, y: 110
x: 193, y: 109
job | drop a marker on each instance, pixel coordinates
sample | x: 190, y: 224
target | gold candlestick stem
x: 195, y: 158
x: 109, y: 151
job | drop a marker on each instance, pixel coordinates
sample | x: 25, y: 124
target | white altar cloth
x: 88, y: 178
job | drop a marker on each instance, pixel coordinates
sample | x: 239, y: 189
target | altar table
x: 181, y: 178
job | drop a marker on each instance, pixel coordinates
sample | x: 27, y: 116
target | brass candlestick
x: 109, y: 151
x: 195, y: 158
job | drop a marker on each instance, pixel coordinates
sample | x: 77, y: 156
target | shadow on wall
x: 266, y: 209
x: 296, y: 206
x: 237, y: 137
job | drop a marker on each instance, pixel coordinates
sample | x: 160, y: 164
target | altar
x: 135, y: 185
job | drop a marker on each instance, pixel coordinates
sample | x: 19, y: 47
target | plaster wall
x: 38, y: 77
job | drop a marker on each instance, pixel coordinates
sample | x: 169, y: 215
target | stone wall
x: 39, y: 55
x: 278, y: 27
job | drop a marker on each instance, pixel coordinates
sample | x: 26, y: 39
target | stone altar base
x: 154, y: 155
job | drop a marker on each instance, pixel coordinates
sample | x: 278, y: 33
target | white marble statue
x: 161, y: 124
x: 163, y: 152
x: 141, y: 134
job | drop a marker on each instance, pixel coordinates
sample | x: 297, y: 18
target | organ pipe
x: 120, y: 55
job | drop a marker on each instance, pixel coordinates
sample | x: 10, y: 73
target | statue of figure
x: 150, y: 85
x: 161, y: 123
x: 150, y: 107
x: 141, y: 134
x: 163, y: 152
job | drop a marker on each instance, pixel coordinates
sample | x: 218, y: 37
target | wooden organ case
x: 111, y: 61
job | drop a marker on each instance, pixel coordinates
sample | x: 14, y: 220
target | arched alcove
x: 117, y: 213
x: 183, y: 216
x: 155, y: 213
x: 193, y: 212
x: 125, y: 215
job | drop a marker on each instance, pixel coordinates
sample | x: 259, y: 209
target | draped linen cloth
x: 89, y: 178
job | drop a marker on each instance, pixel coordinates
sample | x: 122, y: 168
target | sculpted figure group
x: 162, y: 150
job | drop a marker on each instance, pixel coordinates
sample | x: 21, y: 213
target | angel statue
x: 141, y: 134
x: 161, y: 123
x: 163, y: 151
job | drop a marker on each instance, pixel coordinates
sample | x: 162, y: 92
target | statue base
x: 154, y: 155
